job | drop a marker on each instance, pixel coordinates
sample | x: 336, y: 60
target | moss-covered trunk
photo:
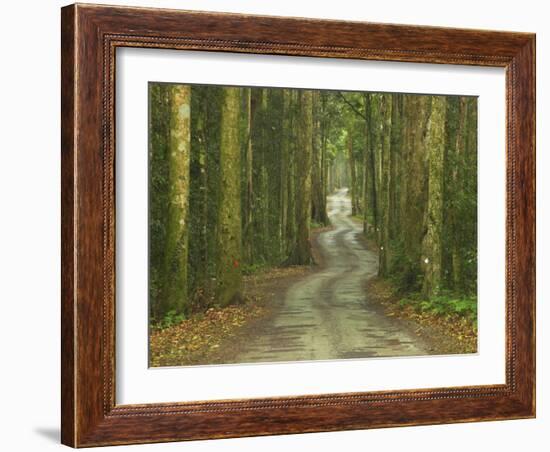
x: 352, y: 173
x: 290, y: 229
x: 229, y: 212
x: 371, y: 135
x: 316, y: 187
x: 301, y: 254
x: 176, y: 245
x: 435, y: 149
x: 386, y: 185
x: 248, y: 232
x: 323, y: 215
x: 413, y: 188
x: 159, y: 150
x: 285, y: 170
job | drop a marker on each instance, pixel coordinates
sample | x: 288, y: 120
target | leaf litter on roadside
x: 190, y: 341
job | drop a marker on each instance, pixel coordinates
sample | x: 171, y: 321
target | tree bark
x: 366, y: 178
x: 285, y: 166
x: 353, y: 174
x: 301, y: 254
x: 249, y: 198
x: 292, y: 178
x: 176, y: 245
x: 199, y: 199
x: 460, y: 141
x: 413, y: 186
x: 386, y: 184
x: 372, y: 143
x: 435, y: 146
x: 395, y: 148
x: 323, y: 216
x: 318, y: 213
x: 229, y: 212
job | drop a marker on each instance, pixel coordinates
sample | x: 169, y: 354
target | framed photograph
x: 280, y: 225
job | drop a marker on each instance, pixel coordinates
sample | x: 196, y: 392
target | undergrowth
x: 443, y: 305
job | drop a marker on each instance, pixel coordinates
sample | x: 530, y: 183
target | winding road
x: 327, y: 315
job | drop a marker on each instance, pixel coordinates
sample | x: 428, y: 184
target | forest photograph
x: 290, y: 224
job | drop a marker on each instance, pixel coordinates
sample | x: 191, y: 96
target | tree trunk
x: 323, y: 216
x: 372, y: 143
x: 291, y: 179
x: 249, y: 198
x: 263, y: 194
x: 301, y: 254
x: 413, y: 187
x: 199, y: 232
x: 159, y: 151
x: 285, y: 165
x: 229, y: 211
x: 386, y: 184
x: 366, y: 178
x: 460, y: 140
x: 435, y: 147
x: 318, y: 213
x: 353, y: 174
x: 395, y: 148
x: 176, y: 245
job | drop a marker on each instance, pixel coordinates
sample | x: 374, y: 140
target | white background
x: 138, y: 384
x: 29, y: 238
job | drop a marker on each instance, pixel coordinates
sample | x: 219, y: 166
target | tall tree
x: 248, y: 206
x: 274, y: 165
x: 325, y: 124
x: 386, y: 183
x: 366, y: 165
x: 413, y: 188
x: 318, y: 195
x: 290, y: 123
x: 176, y: 244
x: 285, y: 171
x: 229, y: 210
x: 159, y: 150
x: 262, y: 185
x: 435, y: 146
x: 352, y: 172
x: 370, y: 156
x: 199, y: 199
x: 395, y: 149
x: 301, y: 253
x: 451, y: 255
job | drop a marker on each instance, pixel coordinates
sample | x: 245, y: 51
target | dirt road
x: 327, y: 315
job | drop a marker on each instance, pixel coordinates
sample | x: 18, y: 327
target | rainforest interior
x: 293, y: 224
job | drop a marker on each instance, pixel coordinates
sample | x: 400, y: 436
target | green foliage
x: 250, y: 269
x: 447, y: 304
x: 314, y: 225
x: 169, y: 319
x: 403, y: 271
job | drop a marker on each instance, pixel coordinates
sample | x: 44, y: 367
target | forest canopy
x: 239, y: 177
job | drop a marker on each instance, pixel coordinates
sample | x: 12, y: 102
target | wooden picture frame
x: 90, y: 36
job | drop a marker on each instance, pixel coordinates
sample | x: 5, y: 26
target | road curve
x: 327, y: 315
